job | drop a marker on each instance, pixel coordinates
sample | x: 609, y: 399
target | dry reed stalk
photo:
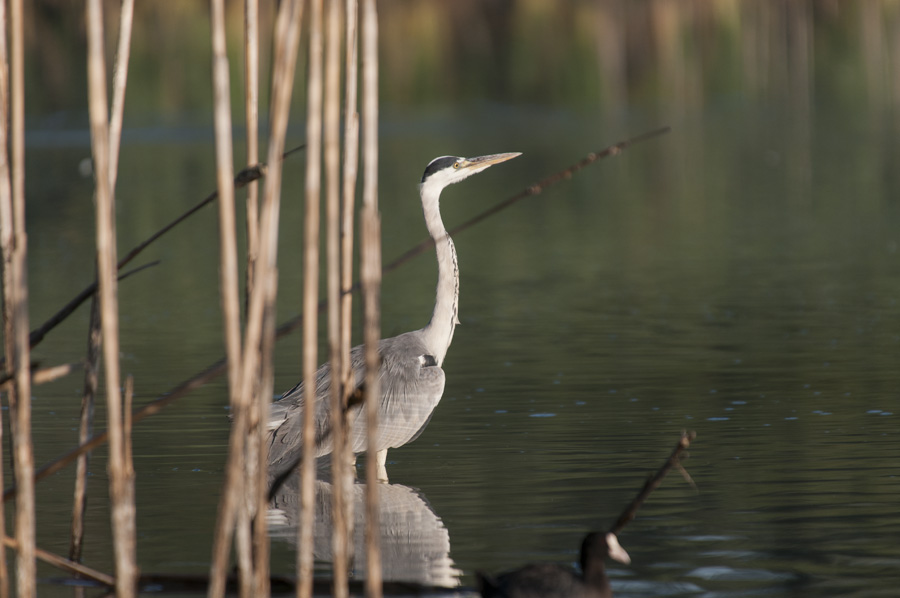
x: 85, y: 429
x: 332, y: 143
x: 20, y: 400
x: 64, y: 564
x: 371, y: 284
x: 6, y: 249
x: 258, y: 351
x: 310, y: 299
x: 121, y: 483
x: 120, y: 81
x: 248, y: 579
x: 351, y: 157
x: 233, y: 487
x: 251, y: 120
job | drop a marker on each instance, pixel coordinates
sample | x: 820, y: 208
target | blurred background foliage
x: 672, y: 55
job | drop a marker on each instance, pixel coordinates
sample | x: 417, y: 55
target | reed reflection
x: 415, y: 544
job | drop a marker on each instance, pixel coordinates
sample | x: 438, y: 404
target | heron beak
x: 481, y: 162
x: 616, y: 551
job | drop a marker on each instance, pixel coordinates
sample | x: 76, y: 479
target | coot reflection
x: 557, y: 581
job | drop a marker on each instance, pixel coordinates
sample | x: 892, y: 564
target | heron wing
x: 411, y: 387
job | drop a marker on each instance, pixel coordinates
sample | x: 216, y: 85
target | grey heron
x: 557, y: 581
x: 411, y: 377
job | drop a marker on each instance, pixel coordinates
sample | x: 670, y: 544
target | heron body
x: 556, y: 581
x: 411, y: 377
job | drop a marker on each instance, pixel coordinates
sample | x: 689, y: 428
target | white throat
x: 439, y: 331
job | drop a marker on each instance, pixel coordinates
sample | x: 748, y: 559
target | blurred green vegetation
x: 675, y: 55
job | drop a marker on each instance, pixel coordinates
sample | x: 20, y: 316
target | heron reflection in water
x: 415, y: 544
x: 411, y: 377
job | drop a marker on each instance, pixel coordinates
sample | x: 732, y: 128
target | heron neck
x: 444, y: 318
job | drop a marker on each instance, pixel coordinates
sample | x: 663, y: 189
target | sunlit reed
x: 371, y: 282
x: 310, y: 299
x: 348, y: 208
x: 263, y: 295
x: 6, y: 255
x: 121, y: 480
x: 332, y: 152
x: 20, y: 398
x: 233, y: 487
x: 251, y: 541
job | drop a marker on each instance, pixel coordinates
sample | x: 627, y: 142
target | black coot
x: 557, y: 581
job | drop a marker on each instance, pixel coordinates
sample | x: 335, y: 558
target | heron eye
x: 456, y: 165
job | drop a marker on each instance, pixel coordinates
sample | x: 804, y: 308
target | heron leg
x: 380, y: 460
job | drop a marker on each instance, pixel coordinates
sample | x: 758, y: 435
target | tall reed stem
x: 371, y: 285
x: 339, y: 465
x: 6, y: 255
x: 228, y: 271
x: 310, y: 298
x: 121, y: 476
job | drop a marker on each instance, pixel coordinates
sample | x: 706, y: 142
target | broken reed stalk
x: 310, y: 300
x: 121, y: 479
x: 233, y: 486
x: 339, y: 466
x: 44, y: 375
x: 85, y: 429
x: 371, y: 280
x: 653, y: 482
x: 20, y: 400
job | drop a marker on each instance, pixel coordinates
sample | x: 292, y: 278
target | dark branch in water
x: 653, y: 483
x: 241, y: 180
x: 218, y: 368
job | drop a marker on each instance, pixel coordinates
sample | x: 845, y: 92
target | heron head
x: 447, y: 170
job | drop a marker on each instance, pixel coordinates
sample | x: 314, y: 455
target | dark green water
x: 731, y: 278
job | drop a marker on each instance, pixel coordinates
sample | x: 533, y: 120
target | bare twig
x: 210, y: 373
x: 653, y: 482
x: 241, y: 180
x: 85, y: 428
x: 371, y: 279
x: 534, y: 189
x: 59, y: 562
x: 46, y: 375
